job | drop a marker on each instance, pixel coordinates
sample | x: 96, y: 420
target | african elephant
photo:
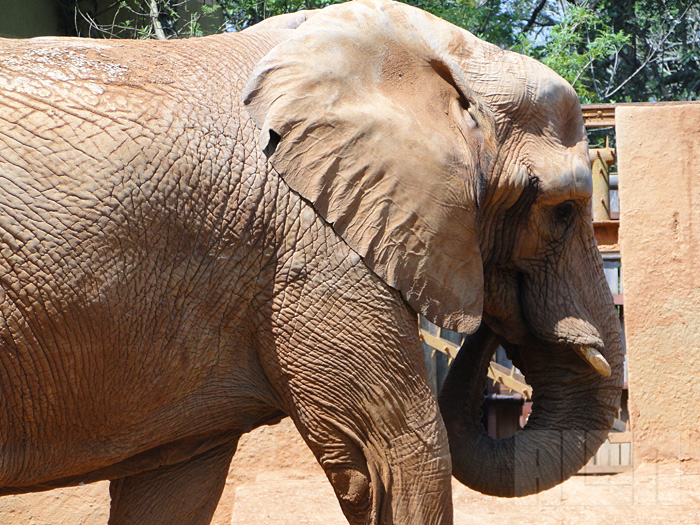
x: 199, y: 237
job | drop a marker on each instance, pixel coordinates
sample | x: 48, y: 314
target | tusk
x: 595, y: 359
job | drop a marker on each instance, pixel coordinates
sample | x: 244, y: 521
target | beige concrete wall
x: 658, y: 151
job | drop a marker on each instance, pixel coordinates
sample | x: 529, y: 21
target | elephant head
x: 459, y: 172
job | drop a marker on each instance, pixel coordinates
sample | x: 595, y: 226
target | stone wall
x: 659, y: 186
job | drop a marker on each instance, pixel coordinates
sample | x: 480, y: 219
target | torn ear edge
x: 269, y: 146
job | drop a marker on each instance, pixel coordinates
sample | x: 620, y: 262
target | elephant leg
x: 355, y: 481
x: 384, y: 467
x: 183, y: 493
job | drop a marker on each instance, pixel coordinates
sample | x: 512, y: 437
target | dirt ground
x: 274, y: 479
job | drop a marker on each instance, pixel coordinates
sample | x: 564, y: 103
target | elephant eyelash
x: 533, y: 184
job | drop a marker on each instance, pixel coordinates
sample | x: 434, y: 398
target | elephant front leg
x: 388, y: 462
x: 341, y: 350
x: 372, y: 421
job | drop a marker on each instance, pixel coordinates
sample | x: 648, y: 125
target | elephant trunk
x: 573, y: 409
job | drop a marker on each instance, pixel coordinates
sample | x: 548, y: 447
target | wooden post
x: 601, y: 160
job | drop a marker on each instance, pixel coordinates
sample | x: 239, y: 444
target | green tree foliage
x: 576, y: 46
x: 662, y: 58
x: 610, y: 50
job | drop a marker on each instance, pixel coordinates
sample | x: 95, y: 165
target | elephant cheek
x: 502, y: 310
x: 567, y: 302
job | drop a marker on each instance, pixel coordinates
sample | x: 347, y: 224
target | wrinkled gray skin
x: 163, y: 291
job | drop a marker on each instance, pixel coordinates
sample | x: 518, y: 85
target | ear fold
x: 374, y: 126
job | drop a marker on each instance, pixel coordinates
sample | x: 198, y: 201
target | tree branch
x: 157, y: 26
x: 536, y: 12
x: 652, y: 56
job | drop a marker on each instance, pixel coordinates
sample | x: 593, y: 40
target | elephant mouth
x: 576, y: 332
x: 590, y: 354
x: 574, y: 403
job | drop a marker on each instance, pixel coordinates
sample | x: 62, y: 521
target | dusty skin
x: 275, y: 480
x: 199, y: 237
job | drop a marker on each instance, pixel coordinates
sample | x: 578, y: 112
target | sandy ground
x: 274, y: 479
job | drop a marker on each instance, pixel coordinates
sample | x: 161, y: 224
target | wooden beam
x: 499, y: 373
x: 606, y: 233
x: 439, y: 343
x: 598, y: 115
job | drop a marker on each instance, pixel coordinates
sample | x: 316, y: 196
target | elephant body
x: 182, y: 260
x: 133, y: 275
x: 146, y: 296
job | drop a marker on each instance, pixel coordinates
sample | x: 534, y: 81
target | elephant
x: 199, y: 237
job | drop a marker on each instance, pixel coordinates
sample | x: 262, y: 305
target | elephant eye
x: 564, y: 212
x: 562, y: 218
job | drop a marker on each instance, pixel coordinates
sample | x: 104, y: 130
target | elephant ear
x: 285, y: 21
x: 365, y: 113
